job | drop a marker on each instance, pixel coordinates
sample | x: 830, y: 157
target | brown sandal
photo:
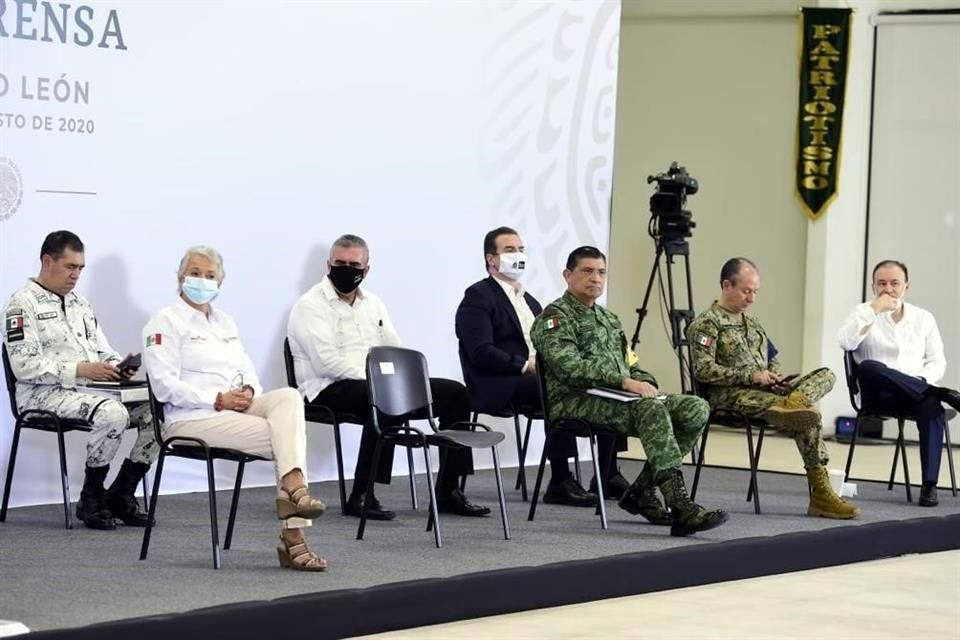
x: 299, y: 557
x: 298, y: 504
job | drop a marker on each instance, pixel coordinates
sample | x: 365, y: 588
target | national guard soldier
x: 735, y: 361
x: 54, y: 342
x: 583, y: 347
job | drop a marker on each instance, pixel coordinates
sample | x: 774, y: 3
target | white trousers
x: 273, y: 427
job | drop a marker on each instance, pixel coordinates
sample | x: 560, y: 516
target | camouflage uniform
x: 585, y: 347
x: 46, y: 336
x: 727, y: 350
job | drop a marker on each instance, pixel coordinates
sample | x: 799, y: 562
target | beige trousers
x: 272, y: 427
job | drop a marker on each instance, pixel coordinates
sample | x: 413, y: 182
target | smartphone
x: 785, y: 380
x: 131, y: 362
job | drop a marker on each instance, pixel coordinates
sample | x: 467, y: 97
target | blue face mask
x: 199, y: 290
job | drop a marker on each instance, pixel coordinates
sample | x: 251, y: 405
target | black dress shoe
x: 455, y: 502
x: 928, y: 497
x: 950, y: 396
x: 614, y: 488
x: 569, y: 493
x: 375, y: 510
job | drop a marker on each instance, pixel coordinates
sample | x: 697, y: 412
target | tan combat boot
x: 793, y: 413
x: 824, y: 502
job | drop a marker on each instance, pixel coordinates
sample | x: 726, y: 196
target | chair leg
x: 576, y: 468
x: 752, y: 491
x: 152, y: 509
x: 893, y: 465
x: 414, y: 502
x: 521, y: 473
x: 503, y: 503
x: 526, y: 444
x: 596, y: 472
x: 214, y: 528
x: 700, y: 459
x: 906, y: 468
x: 9, y: 481
x: 146, y: 493
x: 366, y: 494
x: 343, y: 483
x: 949, y: 447
x: 64, y: 479
x: 463, y: 478
x: 536, y: 486
x: 853, y: 444
x: 434, y: 518
x: 233, y: 506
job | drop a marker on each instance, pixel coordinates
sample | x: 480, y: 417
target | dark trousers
x: 888, y: 391
x: 450, y: 404
x: 562, y: 446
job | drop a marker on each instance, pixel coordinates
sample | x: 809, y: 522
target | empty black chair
x: 41, y: 421
x: 734, y: 419
x: 581, y: 429
x: 322, y: 414
x: 399, y: 386
x: 900, y: 449
x: 195, y: 449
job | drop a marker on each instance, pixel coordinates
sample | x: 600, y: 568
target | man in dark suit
x: 499, y: 365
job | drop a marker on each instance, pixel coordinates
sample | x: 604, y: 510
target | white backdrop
x: 266, y: 129
x: 915, y: 165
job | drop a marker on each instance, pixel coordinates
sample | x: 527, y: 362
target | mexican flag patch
x: 14, y: 322
x: 553, y: 323
x: 154, y: 339
x: 704, y: 341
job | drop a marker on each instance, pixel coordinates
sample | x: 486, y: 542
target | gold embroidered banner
x: 824, y: 52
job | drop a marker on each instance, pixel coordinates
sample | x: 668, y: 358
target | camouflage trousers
x: 667, y: 428
x: 752, y: 401
x: 108, y: 418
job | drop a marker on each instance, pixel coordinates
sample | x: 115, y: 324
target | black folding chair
x: 399, y: 385
x: 509, y: 411
x: 736, y: 420
x: 41, y: 421
x: 580, y: 428
x: 900, y: 448
x: 322, y: 414
x: 195, y: 449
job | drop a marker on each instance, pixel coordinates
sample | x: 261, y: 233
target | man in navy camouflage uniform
x: 54, y: 343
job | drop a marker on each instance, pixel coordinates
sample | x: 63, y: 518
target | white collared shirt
x: 191, y: 357
x: 913, y: 345
x: 330, y: 338
x: 524, y: 313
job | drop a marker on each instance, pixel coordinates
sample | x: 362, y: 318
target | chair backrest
x: 288, y: 364
x: 398, y: 382
x: 850, y: 372
x: 11, y: 383
x: 156, y: 413
x: 542, y: 380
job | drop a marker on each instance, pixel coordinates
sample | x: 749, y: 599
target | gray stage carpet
x: 54, y: 578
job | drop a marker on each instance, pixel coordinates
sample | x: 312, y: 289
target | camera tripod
x: 669, y: 249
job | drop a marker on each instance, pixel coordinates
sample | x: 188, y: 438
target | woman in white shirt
x: 200, y: 371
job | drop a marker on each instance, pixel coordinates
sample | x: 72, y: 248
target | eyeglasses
x: 237, y: 383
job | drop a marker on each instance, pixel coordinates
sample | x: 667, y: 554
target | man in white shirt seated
x: 900, y: 360
x: 331, y: 329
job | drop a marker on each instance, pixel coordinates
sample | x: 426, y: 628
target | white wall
x: 267, y: 129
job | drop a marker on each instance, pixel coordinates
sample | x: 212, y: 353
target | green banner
x: 824, y: 52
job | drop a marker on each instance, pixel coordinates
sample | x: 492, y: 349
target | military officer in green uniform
x: 583, y: 347
x: 733, y: 357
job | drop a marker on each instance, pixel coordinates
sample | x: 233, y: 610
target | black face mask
x: 345, y: 278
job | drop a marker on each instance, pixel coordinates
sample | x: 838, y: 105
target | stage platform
x: 61, y: 581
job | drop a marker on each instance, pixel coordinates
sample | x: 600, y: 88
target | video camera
x: 670, y: 223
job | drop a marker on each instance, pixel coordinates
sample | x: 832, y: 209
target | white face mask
x: 514, y: 265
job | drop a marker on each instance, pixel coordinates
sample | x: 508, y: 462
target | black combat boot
x: 92, y: 505
x: 641, y: 499
x: 119, y: 499
x: 686, y: 515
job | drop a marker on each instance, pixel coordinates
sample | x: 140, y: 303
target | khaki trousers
x: 273, y: 427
